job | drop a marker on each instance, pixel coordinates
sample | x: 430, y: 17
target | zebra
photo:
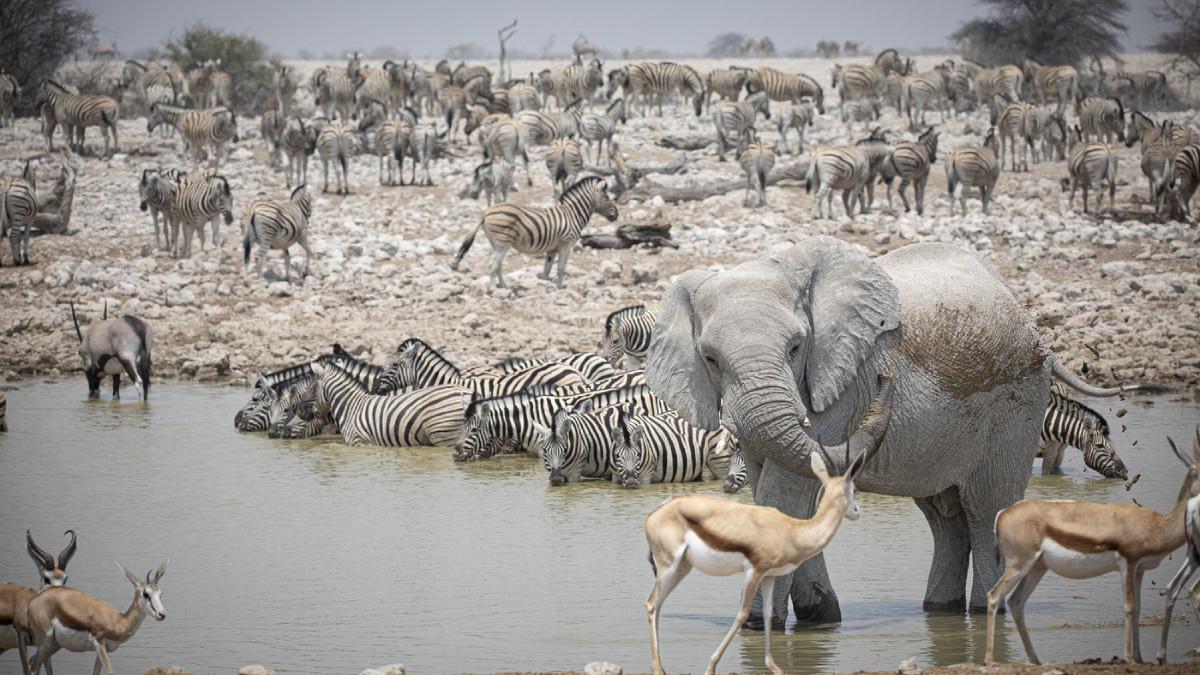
x: 386, y: 85
x: 251, y: 416
x: 571, y: 83
x: 504, y: 140
x: 387, y: 135
x: 271, y: 126
x: 627, y: 336
x: 334, y: 91
x: 757, y: 161
x: 541, y: 230
x: 423, y: 145
x: 77, y: 112
x: 577, y: 444
x: 492, y: 424
x: 141, y: 77
x: 1052, y: 83
x: 1140, y: 128
x: 221, y: 85
x: 837, y: 168
x: 1069, y: 422
x: 628, y: 378
x: 1151, y: 83
x: 3, y: 412
x: 726, y: 83
x: 18, y: 206
x: 920, y: 90
x: 10, y: 91
x: 422, y: 366
x: 735, y: 120
x: 781, y: 86
x: 1158, y: 162
x: 889, y: 61
x: 283, y: 87
x: 299, y: 142
x: 494, y: 178
x: 858, y: 81
x: 593, y: 367
x: 973, y: 166
x: 860, y: 110
x: 1186, y: 177
x: 277, y: 224
x: 600, y: 127
x: 198, y: 200
x: 295, y: 412
x: 564, y: 161
x: 1053, y: 133
x: 338, y: 142
x: 666, y: 449
x: 543, y: 127
x: 523, y: 96
x: 799, y: 117
x: 157, y: 191
x: 427, y: 417
x: 1102, y: 118
x: 200, y: 129
x: 1017, y: 126
x: 912, y: 162
x: 157, y: 94
x: 1007, y: 80
x: 1089, y: 164
x: 876, y: 150
x: 464, y: 73
x: 738, y: 475
x: 657, y: 80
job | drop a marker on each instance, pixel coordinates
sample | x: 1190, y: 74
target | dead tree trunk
x: 628, y: 178
x: 686, y: 142
x: 505, y: 34
x: 795, y: 171
x: 628, y: 236
x: 54, y: 208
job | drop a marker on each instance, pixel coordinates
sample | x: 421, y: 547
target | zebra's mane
x: 1100, y: 422
x: 884, y: 53
x: 1120, y: 106
x: 526, y: 395
x: 417, y: 342
x: 622, y: 313
x: 579, y: 186
x: 510, y: 361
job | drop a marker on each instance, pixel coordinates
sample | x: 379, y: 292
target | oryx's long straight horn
x: 74, y: 318
x: 106, y: 310
x: 40, y: 557
x: 67, y: 553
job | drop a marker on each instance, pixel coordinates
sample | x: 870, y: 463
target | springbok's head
x: 831, y: 485
x: 1191, y: 486
x: 52, y: 573
x: 148, y: 593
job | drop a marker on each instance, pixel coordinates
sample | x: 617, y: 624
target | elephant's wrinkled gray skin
x: 804, y: 334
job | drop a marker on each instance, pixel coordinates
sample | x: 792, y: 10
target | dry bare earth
x: 1126, y: 289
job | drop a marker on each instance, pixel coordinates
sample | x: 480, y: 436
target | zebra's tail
x: 814, y: 174
x: 246, y: 243
x: 466, y: 246
x: 761, y: 170
x: 1062, y: 374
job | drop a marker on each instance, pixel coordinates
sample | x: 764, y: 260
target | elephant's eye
x: 794, y: 352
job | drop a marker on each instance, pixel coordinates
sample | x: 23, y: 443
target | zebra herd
x: 584, y: 416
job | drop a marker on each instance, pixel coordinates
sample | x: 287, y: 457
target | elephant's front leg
x: 812, y: 595
x: 947, y: 586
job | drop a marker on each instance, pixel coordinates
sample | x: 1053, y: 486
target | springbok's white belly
x: 1072, y: 564
x: 71, y: 639
x: 8, y: 637
x: 710, y: 560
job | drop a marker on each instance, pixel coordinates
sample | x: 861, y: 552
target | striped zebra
x: 157, y: 191
x: 892, y: 92
x: 1016, y: 125
x: 726, y: 83
x: 889, y: 61
x: 577, y: 445
x: 503, y: 141
x: 198, y: 200
x: 574, y: 82
x: 493, y: 178
x: 1089, y: 164
x: 547, y: 231
x: 1140, y: 128
x: 600, y: 127
x: 157, y: 94
x: 294, y: 411
x: 798, y: 117
x: 756, y: 161
x: 283, y: 88
x: 860, y: 110
x: 1007, y: 80
x: 77, y: 112
x: 333, y: 91
x: 253, y: 416
x: 220, y: 93
x: 781, y: 86
x: 427, y: 417
x: 1069, y: 422
x: 564, y: 161
x: 973, y: 166
x: 298, y: 142
x: 1052, y: 83
x: 3, y: 411
x: 277, y: 224
x: 541, y: 127
x: 628, y: 378
x: 651, y: 82
x: 1158, y: 162
x: 423, y: 145
x: 422, y: 366
x: 1052, y: 130
x: 1186, y: 177
x: 464, y: 73
x: 491, y: 425
x: 1102, y: 118
x: 337, y: 142
x: 201, y: 130
x: 666, y: 449
x: 734, y: 121
x: 387, y: 86
x: 1146, y: 83
x: 141, y: 77
x: 18, y: 206
x: 919, y: 91
x: 271, y: 126
x: 10, y: 91
x: 386, y: 134
x: 876, y: 149
x: 593, y: 367
x: 837, y: 168
x: 738, y: 474
x: 858, y: 82
x: 627, y: 336
x: 912, y: 161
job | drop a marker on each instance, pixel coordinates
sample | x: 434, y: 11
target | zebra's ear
x: 28, y: 173
x: 562, y: 422
x: 583, y: 407
x: 541, y: 431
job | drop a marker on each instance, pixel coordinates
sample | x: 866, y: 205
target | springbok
x: 721, y: 537
x: 14, y: 598
x: 1192, y: 532
x: 1081, y: 540
x: 64, y: 618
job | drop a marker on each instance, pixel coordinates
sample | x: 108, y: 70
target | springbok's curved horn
x: 43, y: 559
x: 67, y: 553
x: 1182, y: 457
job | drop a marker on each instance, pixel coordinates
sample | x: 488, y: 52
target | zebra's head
x: 616, y: 78
x: 224, y: 197
x: 476, y: 441
x: 632, y: 465
x: 154, y: 119
x: 613, y: 347
x: 556, y: 451
x: 835, y: 75
x: 736, y: 479
x: 761, y: 103
x: 391, y: 379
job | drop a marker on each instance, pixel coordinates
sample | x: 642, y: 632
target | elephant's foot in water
x: 945, y: 590
x: 814, y: 601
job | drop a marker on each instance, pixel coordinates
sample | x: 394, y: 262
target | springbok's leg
x: 101, y: 655
x: 96, y: 665
x: 1173, y: 591
x: 1016, y: 606
x: 768, y: 600
x: 1012, y: 576
x: 752, y: 580
x: 1130, y: 575
x: 666, y: 582
x: 1137, y: 612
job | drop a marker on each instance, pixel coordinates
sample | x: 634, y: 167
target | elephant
x: 803, y: 335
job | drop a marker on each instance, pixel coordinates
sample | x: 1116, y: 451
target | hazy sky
x: 428, y: 27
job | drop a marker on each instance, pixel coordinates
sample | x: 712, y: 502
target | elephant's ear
x: 852, y: 302
x: 674, y: 369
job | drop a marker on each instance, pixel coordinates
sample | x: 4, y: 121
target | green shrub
x: 242, y: 56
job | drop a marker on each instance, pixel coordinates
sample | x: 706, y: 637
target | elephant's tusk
x: 806, y: 423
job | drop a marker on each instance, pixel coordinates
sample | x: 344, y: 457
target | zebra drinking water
x: 1069, y: 422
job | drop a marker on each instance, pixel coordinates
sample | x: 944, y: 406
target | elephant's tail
x: 1064, y: 375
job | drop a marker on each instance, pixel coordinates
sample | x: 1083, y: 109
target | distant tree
x: 766, y: 46
x: 35, y: 37
x: 1051, y: 31
x: 1183, y: 38
x: 242, y: 56
x: 828, y: 49
x: 725, y: 45
x: 850, y: 48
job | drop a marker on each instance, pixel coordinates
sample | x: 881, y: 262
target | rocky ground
x: 1120, y: 296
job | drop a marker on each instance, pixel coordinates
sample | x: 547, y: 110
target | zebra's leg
x: 25, y: 241
x: 325, y: 165
x: 985, y: 196
x: 919, y: 194
x: 287, y: 264
x: 563, y: 254
x: 498, y: 267
x: 1052, y: 457
x: 903, y: 198
x: 848, y: 202
x: 216, y: 236
x: 260, y: 256
x: 545, y: 274
x: 303, y: 241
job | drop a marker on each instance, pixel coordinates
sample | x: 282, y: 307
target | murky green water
x: 313, y: 557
